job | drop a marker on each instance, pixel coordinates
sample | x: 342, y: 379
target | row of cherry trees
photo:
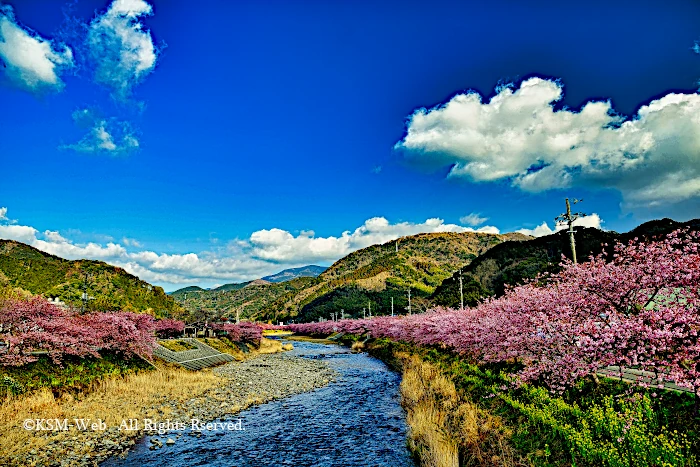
x: 638, y: 308
x: 35, y: 325
x: 30, y: 327
x: 245, y: 331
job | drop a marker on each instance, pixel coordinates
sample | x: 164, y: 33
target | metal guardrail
x: 632, y: 375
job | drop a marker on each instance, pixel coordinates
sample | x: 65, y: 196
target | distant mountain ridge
x: 282, y: 276
x: 369, y: 277
x: 294, y: 273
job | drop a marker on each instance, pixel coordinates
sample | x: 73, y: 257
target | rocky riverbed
x: 257, y: 380
x: 355, y: 421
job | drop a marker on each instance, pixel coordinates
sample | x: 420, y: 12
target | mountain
x: 192, y: 288
x: 369, y: 277
x: 246, y: 299
x: 510, y: 263
x: 373, y: 276
x: 39, y: 273
x: 289, y: 274
x: 286, y: 275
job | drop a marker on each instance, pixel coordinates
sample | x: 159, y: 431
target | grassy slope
x: 75, y: 374
x: 113, y: 288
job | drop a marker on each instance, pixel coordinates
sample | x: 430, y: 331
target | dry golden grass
x: 276, y: 332
x: 375, y: 283
x: 270, y: 346
x: 358, y: 346
x: 443, y: 427
x: 111, y: 400
x: 310, y: 339
x: 136, y: 396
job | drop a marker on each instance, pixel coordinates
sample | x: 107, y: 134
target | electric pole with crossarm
x: 569, y: 218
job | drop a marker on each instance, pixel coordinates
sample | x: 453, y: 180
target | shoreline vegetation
x: 461, y: 414
x: 136, y: 391
x: 595, y: 365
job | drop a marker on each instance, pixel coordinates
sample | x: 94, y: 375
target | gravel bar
x: 254, y: 381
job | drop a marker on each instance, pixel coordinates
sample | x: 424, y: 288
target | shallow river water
x: 354, y: 421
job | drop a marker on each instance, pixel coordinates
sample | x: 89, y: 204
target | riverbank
x: 355, y: 420
x: 165, y: 394
x: 463, y: 414
x: 446, y: 429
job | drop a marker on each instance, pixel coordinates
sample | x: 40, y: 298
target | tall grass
x: 444, y: 429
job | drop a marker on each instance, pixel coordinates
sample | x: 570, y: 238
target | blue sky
x: 211, y: 142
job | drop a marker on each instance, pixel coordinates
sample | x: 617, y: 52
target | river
x: 356, y: 420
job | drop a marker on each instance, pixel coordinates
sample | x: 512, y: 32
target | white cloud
x: 281, y: 246
x: 21, y: 233
x: 31, y: 62
x: 473, y: 219
x: 264, y: 252
x: 3, y: 214
x: 652, y: 158
x: 104, y: 136
x: 54, y: 237
x: 543, y: 229
x: 131, y: 242
x: 122, y: 51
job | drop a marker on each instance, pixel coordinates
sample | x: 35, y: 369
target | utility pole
x: 392, y: 306
x: 409, y: 300
x: 364, y: 313
x: 369, y: 305
x: 397, y: 245
x: 85, y: 295
x: 461, y: 293
x: 342, y: 313
x: 569, y: 218
x: 238, y: 315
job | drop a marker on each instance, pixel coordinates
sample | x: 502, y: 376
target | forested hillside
x: 511, y: 263
x: 111, y: 288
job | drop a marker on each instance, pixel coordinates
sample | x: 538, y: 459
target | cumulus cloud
x: 543, y: 229
x: 264, y: 252
x: 31, y: 62
x: 281, y: 246
x: 123, y: 52
x: 652, y: 158
x: 21, y: 233
x: 473, y: 219
x: 3, y: 214
x: 104, y: 136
